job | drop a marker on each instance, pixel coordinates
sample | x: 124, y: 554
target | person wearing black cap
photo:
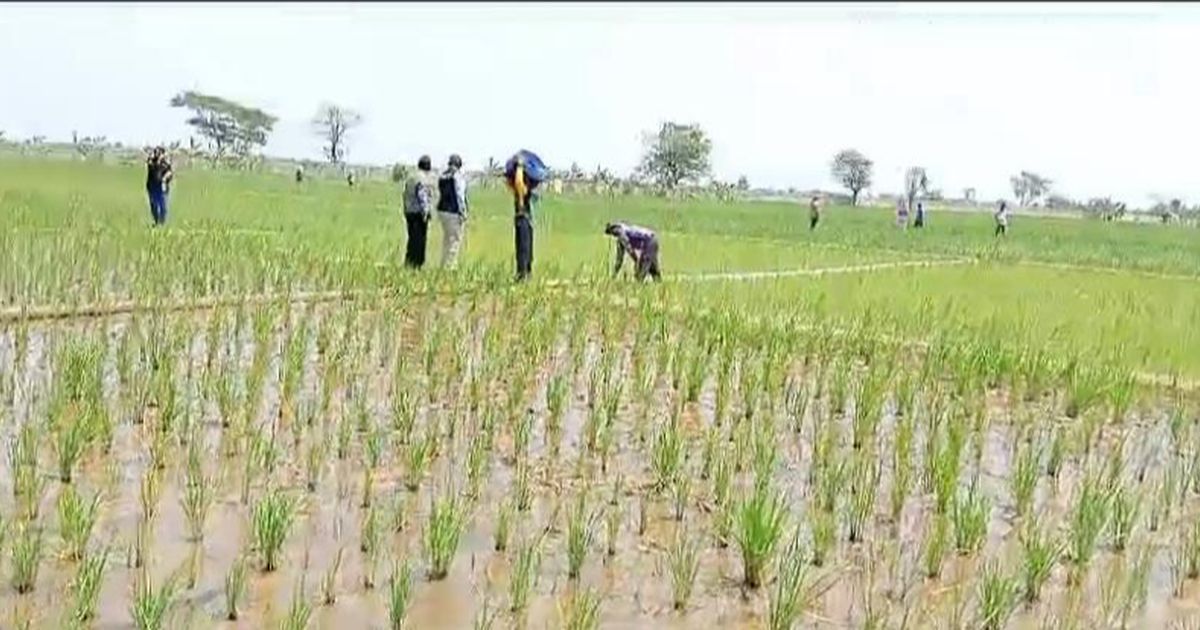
x: 452, y: 209
x: 418, y: 207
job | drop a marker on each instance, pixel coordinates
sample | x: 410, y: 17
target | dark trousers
x: 158, y: 205
x: 1001, y: 229
x: 418, y: 231
x: 648, y: 262
x: 812, y: 222
x: 920, y: 222
x: 523, y: 232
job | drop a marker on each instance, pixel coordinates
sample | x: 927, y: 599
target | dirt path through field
x: 125, y: 307
x: 820, y: 271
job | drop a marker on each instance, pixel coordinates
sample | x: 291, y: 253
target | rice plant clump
x: 447, y: 519
x: 272, y: 519
x: 759, y: 524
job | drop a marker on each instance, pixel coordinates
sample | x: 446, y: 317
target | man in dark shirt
x: 158, y: 182
x: 640, y: 244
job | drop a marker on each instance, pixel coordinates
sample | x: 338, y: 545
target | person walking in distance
x: 919, y: 219
x: 640, y: 244
x: 158, y: 183
x: 523, y: 173
x: 1001, y: 219
x: 418, y: 207
x: 902, y: 213
x: 814, y: 212
x: 452, y: 210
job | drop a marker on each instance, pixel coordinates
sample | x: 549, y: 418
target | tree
x: 1060, y: 202
x: 743, y: 184
x: 87, y: 146
x: 229, y: 126
x: 1029, y: 187
x: 676, y: 154
x: 916, y: 182
x: 1104, y: 208
x: 575, y: 173
x: 853, y: 170
x: 333, y: 123
x: 969, y: 195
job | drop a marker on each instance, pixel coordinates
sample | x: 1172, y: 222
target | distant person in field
x: 814, y: 212
x: 452, y: 209
x: 158, y: 183
x: 1001, y: 219
x: 640, y: 244
x: 919, y: 219
x: 523, y: 173
x: 350, y: 179
x: 418, y: 209
x: 902, y: 213
x: 299, y: 174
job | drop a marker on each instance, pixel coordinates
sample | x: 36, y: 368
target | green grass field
x: 255, y: 417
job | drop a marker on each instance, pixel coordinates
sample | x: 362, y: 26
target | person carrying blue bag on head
x: 523, y: 172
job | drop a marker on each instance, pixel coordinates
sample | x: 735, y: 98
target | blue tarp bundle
x: 536, y: 171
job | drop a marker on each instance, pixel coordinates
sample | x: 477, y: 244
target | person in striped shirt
x: 640, y: 244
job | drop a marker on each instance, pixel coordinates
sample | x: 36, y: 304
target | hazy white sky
x: 1100, y: 98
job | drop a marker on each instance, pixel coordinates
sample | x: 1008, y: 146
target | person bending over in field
x: 814, y: 212
x: 640, y: 244
x: 158, y: 183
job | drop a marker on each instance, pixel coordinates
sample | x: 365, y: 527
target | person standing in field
x: 640, y: 244
x: 158, y: 183
x: 1001, y: 217
x: 919, y: 219
x: 814, y: 212
x: 523, y: 173
x: 418, y: 208
x: 299, y: 174
x: 452, y: 209
x: 902, y: 213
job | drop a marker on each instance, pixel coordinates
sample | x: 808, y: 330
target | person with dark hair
x: 814, y: 212
x: 1001, y: 217
x: 919, y: 218
x: 640, y: 244
x: 523, y: 173
x: 452, y: 209
x: 158, y: 183
x: 418, y: 208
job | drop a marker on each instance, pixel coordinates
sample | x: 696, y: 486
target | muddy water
x: 634, y: 584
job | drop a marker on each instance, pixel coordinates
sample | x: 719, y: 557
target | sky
x: 1100, y: 97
